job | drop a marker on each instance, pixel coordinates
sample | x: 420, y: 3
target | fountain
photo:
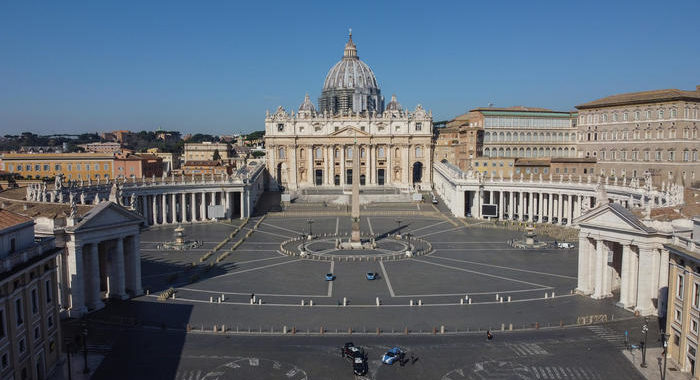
x: 530, y: 241
x: 180, y: 243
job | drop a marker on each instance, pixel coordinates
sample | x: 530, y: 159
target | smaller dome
x: 307, y: 105
x: 393, y: 104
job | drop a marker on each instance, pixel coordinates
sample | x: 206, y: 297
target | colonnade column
x: 76, y: 274
x: 116, y: 279
x: 183, y: 207
x: 132, y: 265
x: 628, y: 276
x: 93, y: 293
x: 645, y: 288
x: 229, y: 205
x: 510, y: 205
x: 530, y: 207
x: 662, y: 288
x: 500, y: 205
x: 242, y: 200
x: 550, y: 209
x: 193, y: 207
x: 570, y: 210
x: 601, y: 264
x: 540, y: 207
x: 163, y: 210
x: 155, y: 209
x: 585, y: 255
x: 521, y: 206
x: 203, y: 206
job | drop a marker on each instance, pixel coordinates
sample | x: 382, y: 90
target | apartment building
x: 73, y: 166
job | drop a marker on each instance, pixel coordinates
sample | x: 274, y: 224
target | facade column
x: 645, y: 287
x: 76, y: 274
x: 521, y: 208
x: 212, y: 202
x: 663, y: 282
x: 569, y: 210
x: 310, y: 161
x: 193, y: 207
x: 625, y: 277
x: 406, y: 170
x: 550, y: 209
x: 342, y: 165
x: 388, y: 172
x: 229, y: 205
x: 242, y: 200
x: 531, y: 207
x: 132, y: 266
x: 155, y: 209
x: 93, y: 292
x: 540, y: 207
x: 585, y: 255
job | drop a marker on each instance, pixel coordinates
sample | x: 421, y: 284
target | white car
x: 565, y: 245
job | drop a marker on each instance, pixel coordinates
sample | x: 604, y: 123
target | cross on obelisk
x: 355, y: 214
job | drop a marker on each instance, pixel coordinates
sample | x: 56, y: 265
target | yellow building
x: 71, y: 165
x: 683, y: 316
x: 496, y: 167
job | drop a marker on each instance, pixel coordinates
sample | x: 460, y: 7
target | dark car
x: 359, y: 365
x: 350, y: 351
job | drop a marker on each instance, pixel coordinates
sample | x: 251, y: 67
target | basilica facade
x: 315, y: 148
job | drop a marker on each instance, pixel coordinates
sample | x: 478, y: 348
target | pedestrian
x: 252, y: 296
x: 489, y: 336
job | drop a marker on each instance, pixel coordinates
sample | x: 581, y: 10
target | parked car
x: 435, y: 200
x: 330, y: 277
x: 350, y: 351
x: 392, y: 356
x: 565, y: 245
x: 359, y: 365
x: 371, y: 275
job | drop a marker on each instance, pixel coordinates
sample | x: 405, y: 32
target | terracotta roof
x: 515, y: 108
x: 203, y: 163
x: 642, y: 97
x: 9, y: 219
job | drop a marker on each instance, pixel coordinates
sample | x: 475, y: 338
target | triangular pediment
x: 107, y: 215
x: 349, y: 132
x: 613, y: 216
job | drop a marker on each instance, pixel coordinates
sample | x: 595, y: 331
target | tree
x: 217, y: 156
x: 258, y: 154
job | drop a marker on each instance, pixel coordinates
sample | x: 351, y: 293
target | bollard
x: 378, y: 331
x: 497, y: 297
x: 302, y: 302
x: 377, y: 299
x: 503, y: 327
x: 173, y: 295
x: 223, y: 297
x: 442, y: 329
x: 349, y: 330
x: 251, y: 301
x: 501, y: 300
x: 508, y: 298
x: 311, y: 302
x: 420, y: 302
x: 215, y: 328
x: 552, y: 294
x: 405, y: 330
x: 284, y: 329
x: 345, y: 301
x: 254, y: 297
x: 411, y: 303
x: 259, y: 301
x: 510, y: 327
x: 470, y: 301
x: 148, y: 291
x: 223, y: 328
x: 294, y: 330
x: 545, y: 295
x: 211, y: 299
x: 461, y: 301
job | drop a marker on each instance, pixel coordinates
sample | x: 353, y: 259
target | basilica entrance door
x: 318, y: 181
x: 380, y: 177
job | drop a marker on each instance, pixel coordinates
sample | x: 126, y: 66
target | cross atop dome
x: 350, y: 49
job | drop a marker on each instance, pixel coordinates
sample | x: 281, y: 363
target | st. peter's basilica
x: 314, y: 147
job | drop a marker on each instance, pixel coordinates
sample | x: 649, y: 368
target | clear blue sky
x: 215, y: 67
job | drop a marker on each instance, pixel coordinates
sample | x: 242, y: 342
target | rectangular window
x: 4, y: 362
x: 46, y: 167
x: 419, y: 126
x: 48, y: 291
x: 70, y: 167
x: 696, y: 294
x: 678, y: 316
x: 97, y: 166
x: 22, y: 346
x: 694, y: 326
x: 106, y: 166
x: 679, y: 286
x: 18, y: 311
x: 78, y: 167
x: 49, y: 321
x: 37, y: 167
x: 35, y: 302
x: 37, y: 333
x: 280, y: 127
x: 2, y: 324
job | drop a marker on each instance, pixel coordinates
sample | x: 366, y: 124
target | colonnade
x: 101, y: 269
x: 638, y: 271
x: 190, y: 206
x: 528, y: 205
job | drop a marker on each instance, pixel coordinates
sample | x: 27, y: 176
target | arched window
x: 280, y: 153
x: 487, y: 137
x: 362, y: 152
x: 509, y: 137
x: 507, y: 152
x: 419, y: 151
x: 501, y: 136
x: 487, y: 152
x: 337, y: 153
x: 397, y: 153
x: 500, y: 152
x: 349, y: 153
x: 302, y: 153
x: 319, y: 153
x: 380, y: 152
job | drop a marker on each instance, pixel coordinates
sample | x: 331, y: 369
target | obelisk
x: 355, y: 199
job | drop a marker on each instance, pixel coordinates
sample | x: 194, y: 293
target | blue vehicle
x: 371, y: 275
x: 393, y: 355
x: 330, y: 277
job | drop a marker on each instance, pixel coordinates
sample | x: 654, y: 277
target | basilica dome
x: 350, y: 72
x: 350, y: 86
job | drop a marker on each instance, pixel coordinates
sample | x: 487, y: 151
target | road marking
x: 439, y: 232
x: 369, y: 223
x: 248, y: 293
x: 337, y: 224
x: 270, y: 233
x: 386, y: 279
x: 330, y: 283
x: 482, y: 274
x: 503, y: 267
x: 428, y: 226
x: 252, y: 269
x: 476, y: 293
x: 282, y: 228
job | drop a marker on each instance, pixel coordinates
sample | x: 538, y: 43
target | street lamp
x: 664, y: 340
x: 310, y: 222
x: 84, y: 334
x: 645, y: 330
x: 398, y: 227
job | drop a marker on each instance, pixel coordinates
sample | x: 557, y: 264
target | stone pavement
x: 77, y: 367
x: 655, y: 364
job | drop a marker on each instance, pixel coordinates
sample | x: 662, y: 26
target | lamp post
x: 310, y: 222
x: 85, y: 334
x: 645, y: 330
x: 664, y: 340
x: 398, y: 227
